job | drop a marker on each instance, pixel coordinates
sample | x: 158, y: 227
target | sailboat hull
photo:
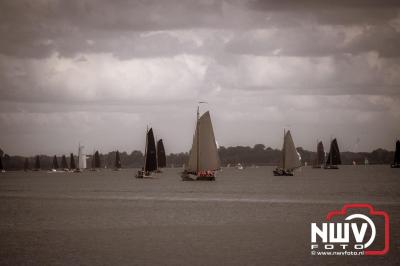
x: 194, y: 177
x: 281, y: 172
x: 142, y: 175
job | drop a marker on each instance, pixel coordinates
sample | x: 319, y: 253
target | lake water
x: 247, y: 217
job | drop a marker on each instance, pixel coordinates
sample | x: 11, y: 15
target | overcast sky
x: 97, y: 72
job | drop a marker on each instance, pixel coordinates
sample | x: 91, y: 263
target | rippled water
x: 245, y: 217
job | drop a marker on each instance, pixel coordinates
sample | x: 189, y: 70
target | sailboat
x: 118, y: 164
x: 55, y: 164
x: 150, y: 157
x: 333, y: 159
x: 290, y: 159
x: 37, y: 163
x: 2, y: 170
x: 72, y: 162
x: 161, y: 158
x: 97, y: 161
x: 396, y: 161
x: 64, y: 164
x: 81, y: 159
x: 320, y: 160
x: 203, y: 158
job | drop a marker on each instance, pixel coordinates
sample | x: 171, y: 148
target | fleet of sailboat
x: 203, y: 157
x: 290, y: 159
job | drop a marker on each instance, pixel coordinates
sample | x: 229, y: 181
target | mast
x: 198, y: 139
x: 145, y: 148
x: 330, y: 153
x: 283, y: 150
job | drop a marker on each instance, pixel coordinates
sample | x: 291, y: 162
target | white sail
x: 290, y: 158
x: 81, y: 157
x: 206, y: 158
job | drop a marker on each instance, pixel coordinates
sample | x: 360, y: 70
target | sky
x: 99, y: 72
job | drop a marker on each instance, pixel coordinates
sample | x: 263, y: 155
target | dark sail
x: 397, y: 153
x: 151, y: 156
x: 37, y: 163
x: 162, y: 160
x: 64, y: 164
x: 72, y: 162
x: 55, y: 162
x: 1, y: 164
x: 26, y: 164
x: 97, y: 162
x: 93, y: 163
x: 117, y: 160
x: 334, y: 154
x: 320, y: 153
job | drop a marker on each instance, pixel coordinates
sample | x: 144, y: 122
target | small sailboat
x: 118, y: 164
x: 161, y: 158
x: 81, y: 159
x: 150, y: 157
x: 2, y: 170
x: 290, y: 159
x: 396, y: 161
x: 203, y: 158
x: 64, y: 164
x: 97, y: 161
x: 55, y: 164
x: 37, y: 163
x: 72, y: 165
x: 333, y: 159
x: 320, y: 160
x: 26, y: 165
x: 239, y: 166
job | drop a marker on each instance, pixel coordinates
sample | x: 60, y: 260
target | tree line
x: 247, y: 156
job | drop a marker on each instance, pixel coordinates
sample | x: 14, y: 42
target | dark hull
x: 281, y: 172
x: 395, y: 166
x: 194, y: 177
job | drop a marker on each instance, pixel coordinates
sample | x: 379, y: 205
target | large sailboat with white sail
x: 150, y: 157
x: 290, y: 159
x: 203, y: 158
